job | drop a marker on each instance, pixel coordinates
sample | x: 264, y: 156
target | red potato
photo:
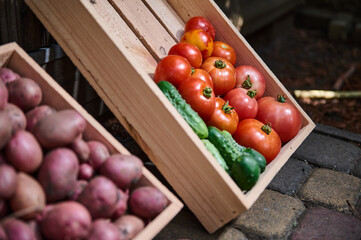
x: 59, y: 129
x: 28, y: 195
x: 2, y: 158
x: 24, y: 152
x: 16, y: 229
x: 147, y: 202
x: 8, y: 180
x: 98, y: 154
x: 4, y: 208
x: 5, y: 129
x: 2, y: 233
x: 24, y: 93
x: 35, y: 227
x: 86, y: 171
x: 36, y: 114
x: 123, y: 170
x: 103, y: 229
x: 78, y: 189
x: 4, y: 95
x: 17, y: 117
x: 81, y: 149
x: 122, y: 204
x: 100, y: 197
x: 58, y: 173
x: 129, y: 226
x: 66, y: 220
x: 8, y: 75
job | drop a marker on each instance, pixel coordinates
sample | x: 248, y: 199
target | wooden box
x: 15, y: 58
x: 116, y: 44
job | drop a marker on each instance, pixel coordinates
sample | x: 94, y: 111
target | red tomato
x: 201, y: 40
x: 200, y: 23
x: 223, y: 50
x: 199, y: 95
x: 222, y: 73
x: 254, y: 134
x: 174, y: 69
x: 283, y: 116
x: 224, y: 116
x: 189, y: 51
x: 243, y: 102
x: 249, y: 77
x: 204, y: 75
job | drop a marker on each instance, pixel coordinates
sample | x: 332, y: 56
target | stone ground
x: 316, y: 195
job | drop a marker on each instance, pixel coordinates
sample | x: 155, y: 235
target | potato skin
x: 66, y: 220
x: 24, y: 93
x: 28, y: 193
x: 103, y: 229
x: 7, y: 75
x: 59, y: 129
x: 8, y: 180
x: 5, y: 129
x: 58, y: 173
x: 17, y: 117
x: 18, y: 229
x: 24, y: 152
x: 34, y: 115
x: 129, y: 226
x: 81, y: 149
x: 98, y: 154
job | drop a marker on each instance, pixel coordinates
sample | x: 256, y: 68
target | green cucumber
x: 184, y: 109
x: 216, y: 154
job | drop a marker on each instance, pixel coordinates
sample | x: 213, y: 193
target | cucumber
x: 185, y: 110
x: 216, y: 154
x: 229, y: 137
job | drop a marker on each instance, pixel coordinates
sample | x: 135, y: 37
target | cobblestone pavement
x: 316, y: 195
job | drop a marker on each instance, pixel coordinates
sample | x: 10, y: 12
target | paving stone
x: 356, y: 171
x: 336, y: 132
x: 291, y: 176
x: 272, y: 216
x: 328, y: 152
x: 232, y: 233
x: 331, y: 189
x: 322, y: 223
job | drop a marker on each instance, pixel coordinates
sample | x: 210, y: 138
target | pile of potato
x: 54, y: 184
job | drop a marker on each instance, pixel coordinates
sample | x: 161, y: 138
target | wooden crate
x: 116, y: 44
x: 15, y: 58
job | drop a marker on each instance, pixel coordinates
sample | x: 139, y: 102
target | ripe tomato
x: 222, y: 73
x: 254, y: 134
x: 189, y: 51
x: 174, y: 69
x: 243, y: 102
x: 249, y: 77
x: 223, y: 50
x: 199, y: 95
x: 201, y: 40
x: 200, y: 23
x: 202, y: 74
x: 224, y: 116
x: 283, y: 116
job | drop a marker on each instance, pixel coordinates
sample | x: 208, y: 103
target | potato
x: 103, y: 229
x: 36, y: 114
x: 8, y: 75
x: 86, y: 171
x: 58, y: 173
x: 122, y: 204
x: 98, y: 153
x: 147, y: 202
x: 4, y: 209
x: 81, y: 149
x: 59, y: 129
x: 35, y: 227
x: 28, y: 194
x: 129, y: 226
x: 100, y: 197
x: 2, y: 233
x: 8, y: 180
x: 24, y: 93
x: 24, y: 152
x: 78, y: 189
x: 4, y: 95
x: 17, y: 117
x: 123, y: 170
x: 66, y: 220
x: 5, y: 129
x: 16, y: 229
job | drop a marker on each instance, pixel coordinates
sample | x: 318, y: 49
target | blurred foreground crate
x: 116, y: 46
x: 15, y: 58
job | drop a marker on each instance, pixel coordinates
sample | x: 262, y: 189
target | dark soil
x: 306, y: 59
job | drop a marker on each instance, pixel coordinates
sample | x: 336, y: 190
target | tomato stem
x: 252, y: 93
x: 207, y: 92
x: 226, y: 108
x: 219, y: 64
x: 193, y: 70
x: 281, y: 98
x: 267, y: 128
x: 247, y: 84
